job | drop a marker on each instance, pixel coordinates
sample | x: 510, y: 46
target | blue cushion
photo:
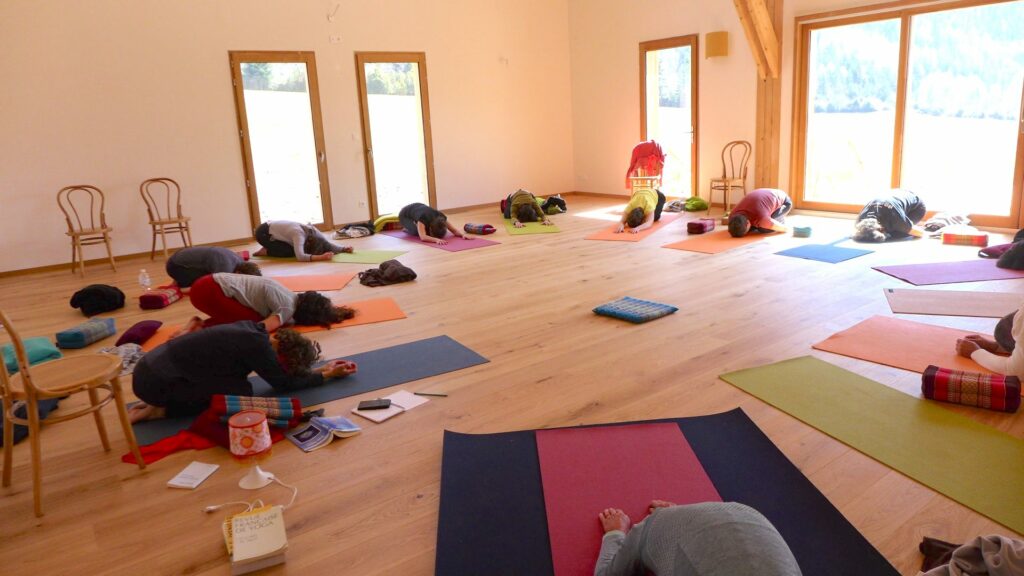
x: 635, y: 310
x: 86, y: 333
x: 37, y: 349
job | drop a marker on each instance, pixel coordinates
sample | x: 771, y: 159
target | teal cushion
x: 635, y: 310
x: 86, y: 333
x: 37, y: 349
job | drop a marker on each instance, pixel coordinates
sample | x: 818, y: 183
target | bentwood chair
x: 735, y: 156
x: 87, y: 373
x: 83, y: 208
x: 157, y: 192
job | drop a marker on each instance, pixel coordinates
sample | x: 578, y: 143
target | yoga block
x: 86, y: 333
x: 802, y: 232
x: 37, y: 349
x: 991, y: 391
x: 635, y: 310
x: 159, y: 298
x: 700, y: 226
x: 980, y: 239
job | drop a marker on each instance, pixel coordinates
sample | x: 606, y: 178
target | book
x: 321, y: 430
x: 401, y: 401
x: 255, y: 539
x: 193, y: 475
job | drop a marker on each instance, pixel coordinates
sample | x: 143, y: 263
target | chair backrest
x: 165, y: 192
x: 735, y: 156
x: 83, y: 207
x: 20, y: 356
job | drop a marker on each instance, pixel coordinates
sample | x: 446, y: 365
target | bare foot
x: 614, y: 519
x: 260, y: 252
x: 143, y: 411
x: 655, y: 504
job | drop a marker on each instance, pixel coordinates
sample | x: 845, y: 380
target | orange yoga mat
x: 367, y: 312
x: 901, y: 344
x: 163, y: 334
x: 315, y: 281
x: 627, y: 236
x: 714, y: 242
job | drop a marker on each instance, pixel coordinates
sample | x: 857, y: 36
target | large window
x: 927, y: 99
x: 668, y: 100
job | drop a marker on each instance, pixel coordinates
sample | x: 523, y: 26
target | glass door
x: 396, y: 129
x: 668, y: 104
x: 278, y: 106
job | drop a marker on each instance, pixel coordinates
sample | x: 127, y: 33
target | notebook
x: 193, y: 475
x: 401, y: 401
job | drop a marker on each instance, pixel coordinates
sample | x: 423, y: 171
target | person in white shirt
x: 286, y: 239
x: 1001, y: 354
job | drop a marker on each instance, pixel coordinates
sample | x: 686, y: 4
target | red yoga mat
x: 950, y: 272
x: 585, y: 470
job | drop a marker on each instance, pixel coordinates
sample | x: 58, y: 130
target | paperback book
x: 321, y: 430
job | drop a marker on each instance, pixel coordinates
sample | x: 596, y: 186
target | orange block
x: 627, y: 236
x: 319, y: 282
x: 367, y: 312
x: 714, y: 242
x: 901, y: 344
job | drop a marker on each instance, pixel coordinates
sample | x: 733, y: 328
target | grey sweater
x: 295, y: 234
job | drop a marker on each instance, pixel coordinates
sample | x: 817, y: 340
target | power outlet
x: 362, y: 204
x: 335, y: 39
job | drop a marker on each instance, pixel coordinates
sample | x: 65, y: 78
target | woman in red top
x: 763, y: 210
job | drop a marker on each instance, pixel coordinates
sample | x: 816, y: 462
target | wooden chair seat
x: 90, y: 232
x: 166, y: 221
x: 64, y: 376
x: 163, y: 204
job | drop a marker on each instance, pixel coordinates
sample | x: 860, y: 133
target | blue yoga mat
x: 825, y: 252
x: 377, y: 369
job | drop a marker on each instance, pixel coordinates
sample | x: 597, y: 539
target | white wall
x: 604, y: 40
x: 111, y: 92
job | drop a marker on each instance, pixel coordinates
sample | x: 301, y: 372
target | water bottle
x: 144, y: 280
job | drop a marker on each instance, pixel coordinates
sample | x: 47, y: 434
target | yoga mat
x: 627, y: 236
x: 824, y: 253
x: 492, y: 515
x: 950, y: 272
x: 162, y: 334
x: 636, y: 464
x: 714, y: 242
x: 901, y: 344
x: 530, y: 228
x: 377, y: 369
x: 367, y: 312
x: 455, y: 243
x: 976, y: 465
x: 368, y: 256
x: 317, y: 282
x: 952, y: 302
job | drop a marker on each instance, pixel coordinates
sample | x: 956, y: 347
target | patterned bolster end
x: 159, y: 298
x: 991, y: 391
x: 86, y: 333
x: 980, y: 240
x: 478, y: 228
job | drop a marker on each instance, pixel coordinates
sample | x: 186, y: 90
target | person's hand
x: 347, y: 249
x: 634, y: 230
x: 613, y: 519
x: 440, y: 242
x: 547, y: 223
x: 518, y: 224
x: 965, y: 347
x: 339, y: 368
x: 465, y: 236
x: 620, y: 229
x: 655, y: 504
x: 984, y: 343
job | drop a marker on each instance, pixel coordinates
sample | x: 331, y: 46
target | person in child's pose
x: 521, y: 206
x: 643, y: 210
x: 762, y: 210
x: 180, y: 377
x: 890, y: 217
x: 193, y: 262
x: 1001, y: 355
x: 230, y: 298
x: 286, y: 239
x: 427, y: 224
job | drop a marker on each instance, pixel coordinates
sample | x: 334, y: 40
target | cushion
x: 159, y: 298
x: 700, y: 226
x: 37, y: 349
x: 97, y: 298
x: 635, y: 310
x: 1013, y: 258
x: 139, y: 333
x: 992, y: 391
x: 994, y: 251
x: 802, y: 231
x: 86, y: 333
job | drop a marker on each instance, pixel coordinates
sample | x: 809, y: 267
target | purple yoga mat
x: 950, y: 272
x: 455, y: 243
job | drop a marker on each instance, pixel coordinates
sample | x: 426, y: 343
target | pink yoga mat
x: 950, y: 272
x: 455, y: 243
x: 585, y: 470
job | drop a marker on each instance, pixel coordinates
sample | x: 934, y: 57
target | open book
x: 255, y: 539
x: 321, y: 430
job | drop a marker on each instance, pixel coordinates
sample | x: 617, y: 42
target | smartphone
x: 378, y: 404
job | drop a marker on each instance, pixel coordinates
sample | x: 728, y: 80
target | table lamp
x: 249, y: 438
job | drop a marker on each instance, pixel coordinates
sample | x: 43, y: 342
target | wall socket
x: 335, y: 39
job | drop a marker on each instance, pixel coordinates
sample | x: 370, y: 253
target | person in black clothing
x: 890, y: 217
x: 427, y: 224
x: 180, y: 377
x: 192, y: 263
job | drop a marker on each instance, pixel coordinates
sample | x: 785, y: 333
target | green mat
x: 530, y: 228
x: 976, y: 465
x: 368, y: 256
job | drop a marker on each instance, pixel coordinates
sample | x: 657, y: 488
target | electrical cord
x: 258, y: 503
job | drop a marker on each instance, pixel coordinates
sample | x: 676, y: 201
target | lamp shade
x: 248, y: 433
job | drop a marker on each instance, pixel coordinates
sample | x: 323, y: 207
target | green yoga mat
x: 530, y: 228
x: 368, y: 256
x: 976, y: 465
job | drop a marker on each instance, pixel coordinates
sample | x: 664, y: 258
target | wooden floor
x: 368, y: 505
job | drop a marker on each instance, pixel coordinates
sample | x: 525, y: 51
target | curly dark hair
x: 315, y: 309
x: 635, y: 217
x: 315, y: 244
x: 295, y: 352
x: 527, y: 212
x: 739, y: 225
x: 250, y: 268
x: 438, y: 227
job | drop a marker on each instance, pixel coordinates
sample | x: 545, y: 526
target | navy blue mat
x: 492, y: 518
x: 377, y: 369
x: 825, y: 252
